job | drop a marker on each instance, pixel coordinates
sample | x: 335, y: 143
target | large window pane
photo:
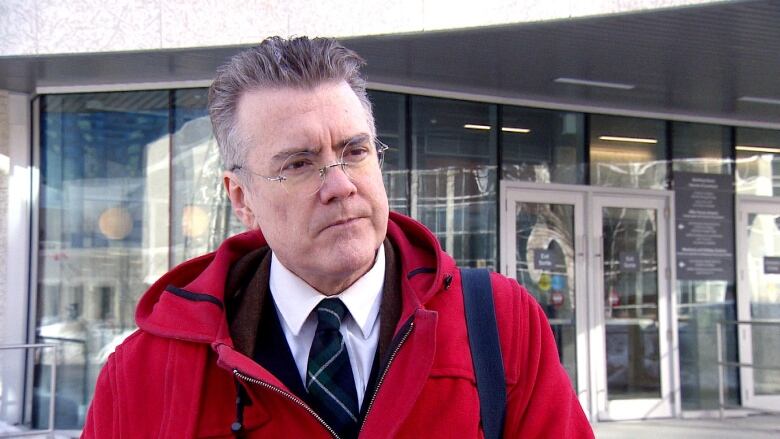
x: 758, y: 162
x: 544, y: 255
x: 542, y: 146
x: 390, y: 118
x: 763, y: 290
x: 201, y: 213
x: 700, y: 306
x: 628, y: 152
x: 701, y: 148
x: 454, y: 176
x: 630, y: 300
x: 103, y: 233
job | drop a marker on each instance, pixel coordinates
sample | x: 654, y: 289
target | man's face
x: 329, y: 239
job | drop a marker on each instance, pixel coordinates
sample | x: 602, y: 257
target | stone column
x: 4, y: 171
x: 14, y: 248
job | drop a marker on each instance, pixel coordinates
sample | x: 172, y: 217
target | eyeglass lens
x: 303, y: 173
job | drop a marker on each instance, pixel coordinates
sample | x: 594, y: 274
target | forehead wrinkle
x: 357, y: 138
x: 287, y: 152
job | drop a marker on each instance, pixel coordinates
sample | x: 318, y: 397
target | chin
x: 349, y: 258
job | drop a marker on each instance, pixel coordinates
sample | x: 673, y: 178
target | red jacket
x: 176, y: 376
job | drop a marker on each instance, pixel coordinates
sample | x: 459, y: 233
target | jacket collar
x: 188, y: 302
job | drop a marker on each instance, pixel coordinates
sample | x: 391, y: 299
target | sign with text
x: 544, y: 260
x: 771, y: 264
x: 629, y: 262
x: 704, y: 205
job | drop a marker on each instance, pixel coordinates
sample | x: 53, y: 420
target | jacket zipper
x: 288, y: 396
x: 384, y: 373
x: 312, y: 412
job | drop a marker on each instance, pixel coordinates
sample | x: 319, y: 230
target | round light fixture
x: 115, y: 223
x: 194, y: 221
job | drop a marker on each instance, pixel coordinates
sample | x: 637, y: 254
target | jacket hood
x: 188, y: 302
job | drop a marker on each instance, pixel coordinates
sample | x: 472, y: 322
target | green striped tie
x: 329, y: 375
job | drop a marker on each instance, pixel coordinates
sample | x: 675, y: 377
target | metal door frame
x: 746, y: 205
x: 554, y: 194
x: 589, y: 310
x: 666, y: 405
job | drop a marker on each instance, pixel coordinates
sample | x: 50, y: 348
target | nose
x: 336, y: 184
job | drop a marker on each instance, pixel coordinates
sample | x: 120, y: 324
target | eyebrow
x: 285, y: 153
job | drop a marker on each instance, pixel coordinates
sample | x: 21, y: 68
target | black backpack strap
x: 485, y: 349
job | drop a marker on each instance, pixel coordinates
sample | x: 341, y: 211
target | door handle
x: 600, y: 241
x: 580, y: 246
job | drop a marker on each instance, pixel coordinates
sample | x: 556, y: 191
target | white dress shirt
x: 295, y: 302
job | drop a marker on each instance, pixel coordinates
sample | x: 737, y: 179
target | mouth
x: 346, y: 222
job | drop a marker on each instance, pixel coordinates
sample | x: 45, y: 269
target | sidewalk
x: 748, y: 427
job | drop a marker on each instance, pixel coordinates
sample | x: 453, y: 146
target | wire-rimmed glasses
x: 303, y: 173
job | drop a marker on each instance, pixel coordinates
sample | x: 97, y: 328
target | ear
x: 239, y: 200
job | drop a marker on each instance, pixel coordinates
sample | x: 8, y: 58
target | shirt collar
x: 295, y: 299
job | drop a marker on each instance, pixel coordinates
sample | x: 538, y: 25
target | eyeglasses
x: 303, y: 173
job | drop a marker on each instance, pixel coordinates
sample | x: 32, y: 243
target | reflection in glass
x: 764, y: 280
x: 700, y: 305
x: 542, y: 146
x: 390, y: 117
x: 630, y: 253
x: 103, y: 233
x: 545, y: 266
x: 201, y: 213
x: 701, y: 148
x: 454, y: 178
x: 628, y: 152
x: 758, y: 162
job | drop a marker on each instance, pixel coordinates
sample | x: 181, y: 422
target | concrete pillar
x: 4, y: 168
x: 15, y: 196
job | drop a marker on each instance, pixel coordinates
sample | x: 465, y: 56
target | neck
x: 329, y: 283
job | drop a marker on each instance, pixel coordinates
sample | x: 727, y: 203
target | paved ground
x: 748, y: 427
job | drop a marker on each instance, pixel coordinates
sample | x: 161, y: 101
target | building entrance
x: 758, y: 241
x: 598, y: 262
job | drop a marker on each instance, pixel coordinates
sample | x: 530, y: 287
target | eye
x: 298, y: 164
x: 355, y: 153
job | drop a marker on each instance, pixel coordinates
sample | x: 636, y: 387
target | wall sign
x: 544, y: 282
x: 771, y: 264
x: 629, y: 262
x: 556, y: 299
x: 558, y: 282
x: 543, y: 260
x: 704, y: 205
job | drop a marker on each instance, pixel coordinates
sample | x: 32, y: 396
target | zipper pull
x: 238, y: 424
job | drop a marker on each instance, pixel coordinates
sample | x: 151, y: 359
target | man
x: 330, y: 316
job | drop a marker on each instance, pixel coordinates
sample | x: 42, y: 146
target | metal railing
x: 52, y: 387
x: 722, y: 363
x: 85, y: 356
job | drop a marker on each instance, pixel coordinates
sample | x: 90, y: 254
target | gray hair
x: 300, y: 63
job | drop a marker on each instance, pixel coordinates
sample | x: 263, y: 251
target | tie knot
x: 330, y: 313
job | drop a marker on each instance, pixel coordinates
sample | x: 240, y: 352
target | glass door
x: 630, y: 285
x: 758, y: 235
x: 543, y: 248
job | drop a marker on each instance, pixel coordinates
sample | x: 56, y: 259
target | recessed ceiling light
x: 757, y: 148
x: 516, y: 130
x: 627, y: 139
x: 589, y: 83
x: 473, y: 126
x: 758, y: 100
